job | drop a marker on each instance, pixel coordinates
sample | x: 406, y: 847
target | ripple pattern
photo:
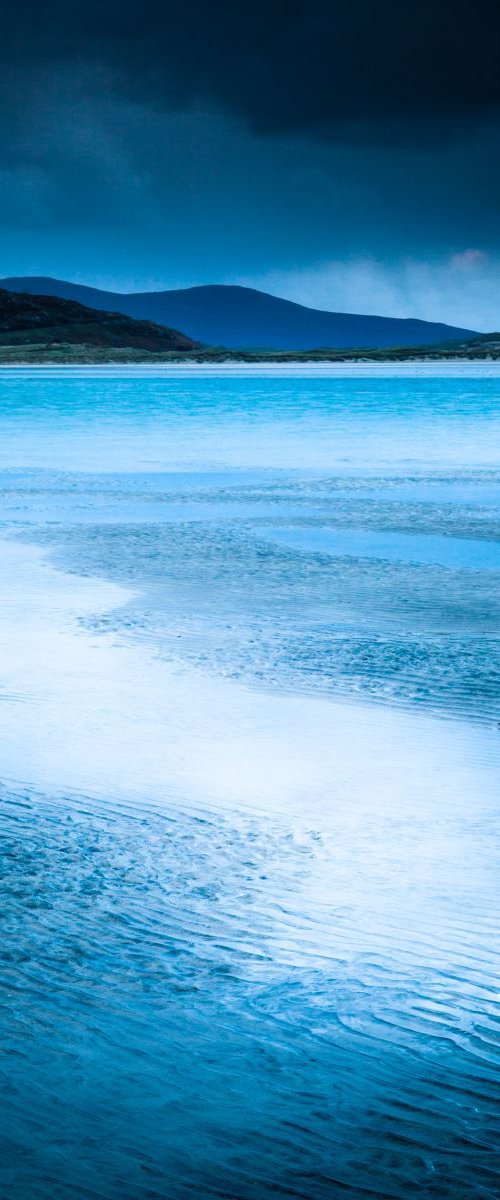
x: 183, y: 1016
x: 298, y: 999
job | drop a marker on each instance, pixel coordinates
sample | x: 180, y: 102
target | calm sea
x: 249, y: 769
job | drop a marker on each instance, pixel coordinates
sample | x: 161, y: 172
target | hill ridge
x: 26, y: 316
x: 240, y: 317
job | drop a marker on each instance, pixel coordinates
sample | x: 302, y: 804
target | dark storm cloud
x: 146, y: 144
x: 349, y: 70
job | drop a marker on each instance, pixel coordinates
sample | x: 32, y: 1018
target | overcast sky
x: 346, y: 154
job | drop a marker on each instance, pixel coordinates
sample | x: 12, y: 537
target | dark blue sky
x: 346, y: 154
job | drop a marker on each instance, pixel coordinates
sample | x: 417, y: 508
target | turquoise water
x: 427, y: 548
x: 249, y: 779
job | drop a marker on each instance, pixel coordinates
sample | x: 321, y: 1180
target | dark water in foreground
x: 170, y: 1033
x: 222, y: 976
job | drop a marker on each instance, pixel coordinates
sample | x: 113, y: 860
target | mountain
x: 49, y: 329
x: 243, y: 318
x: 27, y: 320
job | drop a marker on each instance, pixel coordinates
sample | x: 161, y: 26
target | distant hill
x: 481, y: 343
x: 243, y: 318
x: 27, y: 320
x: 48, y: 329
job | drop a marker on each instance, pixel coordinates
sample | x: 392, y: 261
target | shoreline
x: 416, y: 367
x: 90, y: 713
x: 211, y: 920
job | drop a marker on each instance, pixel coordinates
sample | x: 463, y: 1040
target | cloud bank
x: 159, y: 144
x: 353, y: 68
x: 463, y: 290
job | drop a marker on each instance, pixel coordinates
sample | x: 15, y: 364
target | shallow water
x: 250, y: 922
x: 427, y: 548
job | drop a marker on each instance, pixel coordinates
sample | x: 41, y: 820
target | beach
x: 249, y: 778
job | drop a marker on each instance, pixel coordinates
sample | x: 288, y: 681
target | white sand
x: 90, y: 713
x: 428, y: 369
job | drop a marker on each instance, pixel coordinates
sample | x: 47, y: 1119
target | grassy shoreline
x: 70, y: 354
